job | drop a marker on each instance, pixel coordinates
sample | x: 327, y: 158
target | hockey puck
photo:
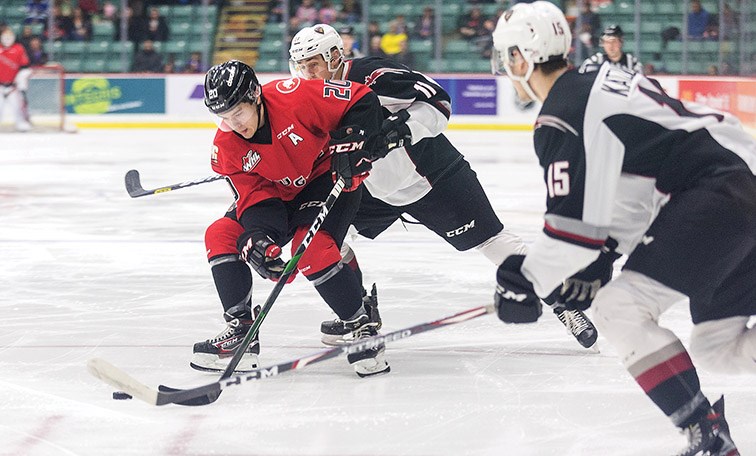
x: 121, y: 396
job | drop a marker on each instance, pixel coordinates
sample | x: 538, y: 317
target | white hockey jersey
x: 614, y: 148
x: 594, y: 62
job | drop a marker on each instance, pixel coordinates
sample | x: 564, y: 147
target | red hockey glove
x: 350, y: 157
x: 515, y: 299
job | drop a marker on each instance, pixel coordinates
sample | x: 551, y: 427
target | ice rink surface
x: 88, y: 272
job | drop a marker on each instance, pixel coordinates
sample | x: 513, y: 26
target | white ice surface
x: 88, y: 272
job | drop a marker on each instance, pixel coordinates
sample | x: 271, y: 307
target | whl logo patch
x: 250, y: 160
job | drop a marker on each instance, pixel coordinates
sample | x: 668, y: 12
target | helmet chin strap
x: 523, y: 80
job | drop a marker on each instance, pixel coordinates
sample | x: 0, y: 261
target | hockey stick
x: 134, y: 184
x: 207, y: 394
x: 338, y: 187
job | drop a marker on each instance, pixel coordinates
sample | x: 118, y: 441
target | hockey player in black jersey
x: 419, y: 171
x: 673, y: 183
x: 612, y: 40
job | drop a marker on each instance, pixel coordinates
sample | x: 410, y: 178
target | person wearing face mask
x: 611, y: 42
x: 14, y: 78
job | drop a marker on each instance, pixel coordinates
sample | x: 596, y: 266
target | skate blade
x: 334, y: 341
x: 211, y: 363
x: 374, y: 374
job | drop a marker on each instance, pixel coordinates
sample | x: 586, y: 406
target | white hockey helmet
x: 538, y: 30
x: 320, y: 39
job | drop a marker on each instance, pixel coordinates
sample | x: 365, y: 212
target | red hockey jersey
x: 291, y: 149
x: 12, y: 59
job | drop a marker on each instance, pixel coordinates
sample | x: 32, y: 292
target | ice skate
x: 371, y: 361
x: 213, y: 355
x: 577, y: 323
x: 711, y: 435
x: 334, y: 333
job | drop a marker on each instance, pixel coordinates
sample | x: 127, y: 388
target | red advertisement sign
x: 735, y: 96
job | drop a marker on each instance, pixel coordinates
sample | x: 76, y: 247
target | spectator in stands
x: 374, y: 29
x: 27, y: 33
x: 194, y: 64
x: 306, y: 13
x: 135, y: 31
x: 375, y: 47
x: 156, y: 26
x: 485, y: 43
x: 37, y: 55
x: 109, y: 11
x: 327, y: 14
x: 401, y: 24
x: 712, y: 70
x: 471, y: 24
x: 425, y: 25
x: 170, y: 64
x: 404, y: 56
x: 275, y: 11
x: 36, y: 12
x: 730, y: 23
x: 61, y: 26
x: 351, y: 46
x: 90, y: 7
x: 147, y: 59
x: 590, y: 23
x: 698, y: 20
x: 351, y: 12
x: 81, y: 26
x: 391, y: 41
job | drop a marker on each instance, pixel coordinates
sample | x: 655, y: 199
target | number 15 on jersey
x: 558, y: 179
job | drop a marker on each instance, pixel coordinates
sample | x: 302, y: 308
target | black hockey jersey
x: 614, y: 148
x: 406, y: 174
x: 594, y: 62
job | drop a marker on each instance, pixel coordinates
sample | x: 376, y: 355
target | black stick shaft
x: 134, y: 184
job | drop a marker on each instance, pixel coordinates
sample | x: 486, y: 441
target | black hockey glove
x: 351, y: 158
x: 578, y: 291
x: 395, y: 132
x: 515, y: 299
x: 262, y: 254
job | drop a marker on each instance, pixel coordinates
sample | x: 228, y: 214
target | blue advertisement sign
x: 471, y: 96
x: 98, y: 95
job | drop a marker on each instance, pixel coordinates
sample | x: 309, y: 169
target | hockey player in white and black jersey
x: 673, y: 183
x: 612, y: 40
x: 420, y: 172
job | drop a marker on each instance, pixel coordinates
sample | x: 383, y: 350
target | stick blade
x: 134, y: 184
x: 193, y: 402
x: 122, y: 381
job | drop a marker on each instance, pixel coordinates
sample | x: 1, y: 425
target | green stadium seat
x: 459, y: 47
x: 74, y: 49
x: 178, y: 48
x: 274, y: 29
x: 72, y: 65
x: 183, y: 13
x: 93, y: 66
x: 104, y: 29
x: 198, y: 29
x: 271, y: 46
x: 418, y: 46
x: 114, y: 65
x: 180, y: 30
x: 99, y: 49
x: 269, y: 65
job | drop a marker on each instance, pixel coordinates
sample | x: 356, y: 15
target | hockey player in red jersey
x: 14, y: 78
x: 673, y: 183
x: 278, y: 145
x: 422, y: 171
